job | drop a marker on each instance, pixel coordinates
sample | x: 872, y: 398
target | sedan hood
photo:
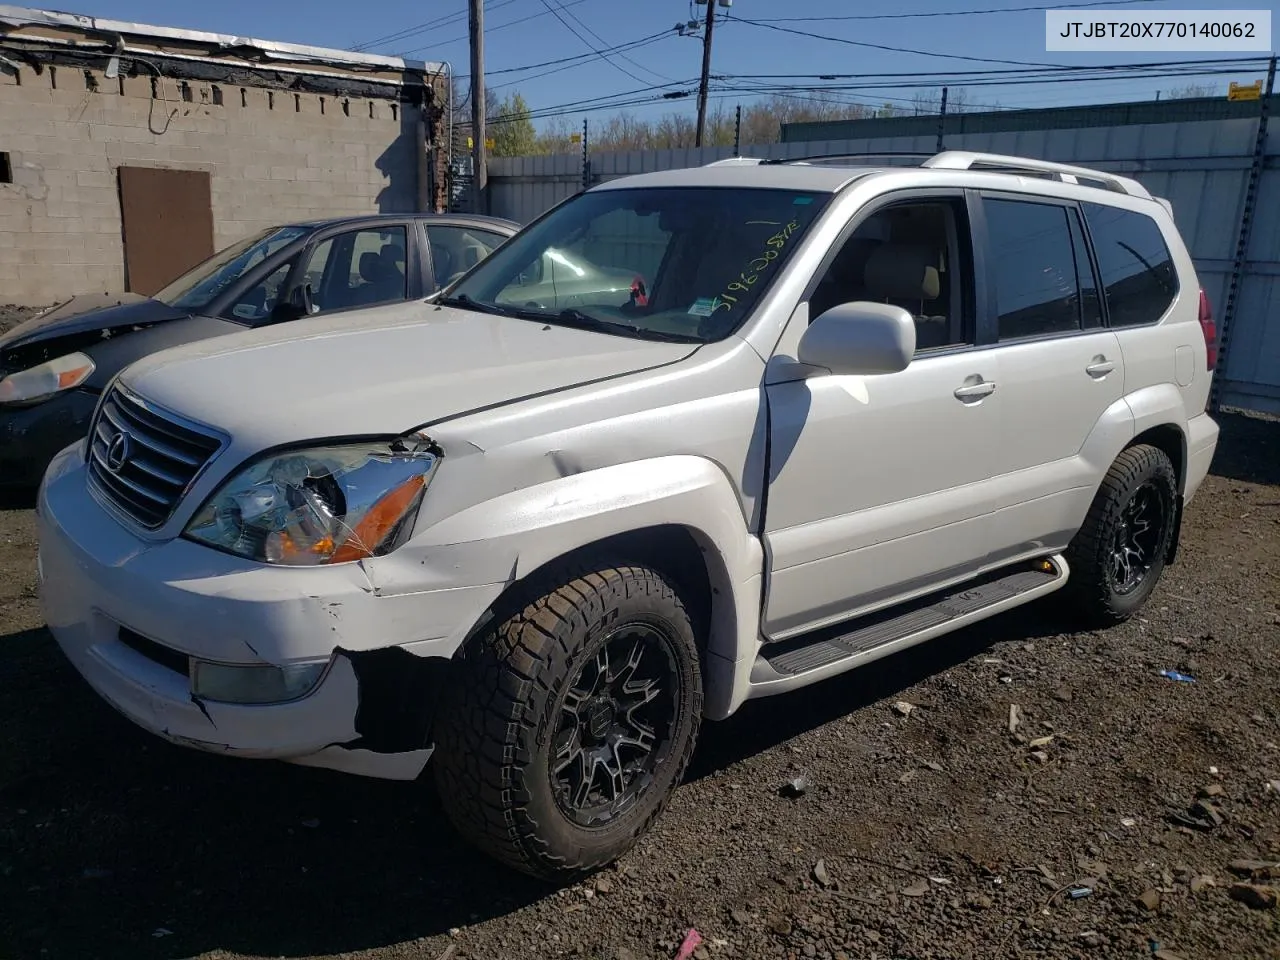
x: 378, y: 371
x: 93, y: 312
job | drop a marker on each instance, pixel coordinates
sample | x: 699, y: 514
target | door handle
x: 1100, y: 367
x: 975, y: 391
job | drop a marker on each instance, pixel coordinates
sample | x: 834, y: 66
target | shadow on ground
x: 111, y: 836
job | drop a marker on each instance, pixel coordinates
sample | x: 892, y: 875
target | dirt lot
x: 940, y: 833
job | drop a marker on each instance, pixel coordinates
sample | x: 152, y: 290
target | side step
x: 797, y: 663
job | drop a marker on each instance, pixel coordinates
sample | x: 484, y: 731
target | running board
x: 797, y: 663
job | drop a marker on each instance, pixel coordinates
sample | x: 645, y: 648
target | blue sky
x: 522, y: 32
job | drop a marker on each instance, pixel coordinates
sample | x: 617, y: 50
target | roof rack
x: 967, y: 160
x: 818, y: 157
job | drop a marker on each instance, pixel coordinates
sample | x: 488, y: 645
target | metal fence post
x: 1236, y: 280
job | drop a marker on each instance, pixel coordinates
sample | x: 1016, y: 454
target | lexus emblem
x: 118, y: 451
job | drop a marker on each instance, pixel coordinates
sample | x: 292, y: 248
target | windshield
x: 197, y: 288
x: 676, y: 263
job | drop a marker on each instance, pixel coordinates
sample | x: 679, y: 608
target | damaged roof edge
x: 14, y: 18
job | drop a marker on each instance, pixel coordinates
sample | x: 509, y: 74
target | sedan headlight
x: 43, y: 381
x: 322, y: 505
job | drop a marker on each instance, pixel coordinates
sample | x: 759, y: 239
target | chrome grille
x: 142, y: 460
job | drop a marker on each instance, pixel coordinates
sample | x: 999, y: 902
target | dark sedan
x: 53, y: 367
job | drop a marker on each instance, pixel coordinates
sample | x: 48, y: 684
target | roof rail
x: 967, y: 160
x: 918, y: 155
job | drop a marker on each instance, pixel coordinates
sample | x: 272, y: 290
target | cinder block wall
x: 273, y: 157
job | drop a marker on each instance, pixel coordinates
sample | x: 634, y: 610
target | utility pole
x: 706, y: 71
x: 942, y: 119
x: 480, y: 172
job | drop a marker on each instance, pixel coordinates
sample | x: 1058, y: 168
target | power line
x: 587, y: 43
x: 413, y: 31
x: 622, y: 56
x: 957, y: 13
x: 1054, y: 75
x: 891, y: 49
x: 489, y: 30
x: 942, y: 75
x: 579, y: 58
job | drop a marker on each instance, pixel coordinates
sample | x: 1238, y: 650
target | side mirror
x: 859, y: 338
x: 300, y: 302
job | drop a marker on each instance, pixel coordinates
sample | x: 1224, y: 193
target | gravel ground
x: 11, y: 316
x: 939, y: 833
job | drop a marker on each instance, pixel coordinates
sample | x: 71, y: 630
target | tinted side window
x: 1137, y: 268
x: 913, y: 255
x: 1034, y: 264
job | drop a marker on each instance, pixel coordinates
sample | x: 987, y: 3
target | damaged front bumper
x: 128, y: 613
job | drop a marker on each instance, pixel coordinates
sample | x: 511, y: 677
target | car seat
x: 905, y: 275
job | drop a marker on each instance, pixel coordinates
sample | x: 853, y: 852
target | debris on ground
x: 796, y: 787
x: 820, y: 874
x: 1255, y: 869
x: 903, y: 709
x: 1015, y: 717
x: 917, y: 889
x: 692, y: 940
x: 1252, y: 895
x: 1175, y: 675
x: 1149, y: 900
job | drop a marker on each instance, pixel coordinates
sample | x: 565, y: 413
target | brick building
x: 130, y: 152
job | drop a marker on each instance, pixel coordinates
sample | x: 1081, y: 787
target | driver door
x: 876, y: 483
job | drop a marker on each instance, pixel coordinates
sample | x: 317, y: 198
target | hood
x: 378, y: 371
x: 97, y: 311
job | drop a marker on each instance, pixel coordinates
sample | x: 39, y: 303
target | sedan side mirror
x: 860, y: 338
x: 300, y: 299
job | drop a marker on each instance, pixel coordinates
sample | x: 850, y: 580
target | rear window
x: 1138, y: 277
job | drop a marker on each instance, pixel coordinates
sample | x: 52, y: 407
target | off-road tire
x: 497, y: 720
x: 1091, y: 596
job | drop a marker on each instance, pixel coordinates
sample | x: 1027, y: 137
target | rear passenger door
x: 1060, y: 368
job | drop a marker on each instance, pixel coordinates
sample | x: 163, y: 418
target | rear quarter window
x: 1138, y: 278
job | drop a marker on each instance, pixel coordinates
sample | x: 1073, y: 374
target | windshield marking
x: 746, y: 279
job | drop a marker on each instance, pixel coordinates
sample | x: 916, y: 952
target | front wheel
x: 1117, y: 556
x: 571, y: 722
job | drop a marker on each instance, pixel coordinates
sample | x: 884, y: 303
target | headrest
x: 369, y: 264
x: 897, y: 271
x: 850, y: 264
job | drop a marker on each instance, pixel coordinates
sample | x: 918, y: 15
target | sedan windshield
x: 678, y: 263
x: 198, y: 287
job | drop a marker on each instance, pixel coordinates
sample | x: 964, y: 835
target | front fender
x: 505, y: 539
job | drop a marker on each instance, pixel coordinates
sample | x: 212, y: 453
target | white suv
x: 829, y: 410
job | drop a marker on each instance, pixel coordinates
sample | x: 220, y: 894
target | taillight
x: 1210, y: 331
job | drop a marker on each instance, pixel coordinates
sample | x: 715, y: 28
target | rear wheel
x: 572, y: 721
x: 1119, y: 553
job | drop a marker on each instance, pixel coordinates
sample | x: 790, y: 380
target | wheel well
x: 1169, y: 439
x: 671, y: 550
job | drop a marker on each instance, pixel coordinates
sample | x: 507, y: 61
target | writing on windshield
x: 745, y: 280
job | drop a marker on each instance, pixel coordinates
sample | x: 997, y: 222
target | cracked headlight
x: 43, y: 381
x: 320, y: 505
